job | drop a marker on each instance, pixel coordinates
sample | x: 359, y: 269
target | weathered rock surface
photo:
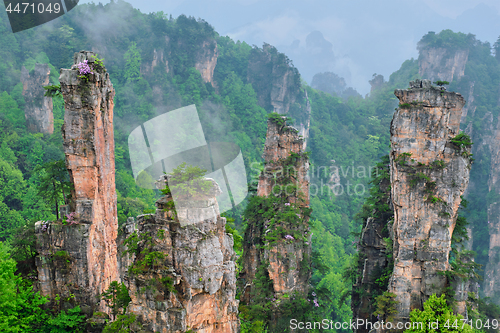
x: 485, y: 148
x: 304, y: 127
x: 281, y: 140
x: 158, y: 58
x: 274, y: 80
x: 374, y: 259
x: 38, y: 108
x: 425, y: 196
x: 193, y: 287
x: 438, y: 64
x: 89, y: 148
x: 278, y: 87
x: 188, y: 282
x: 288, y: 261
x: 62, y: 263
x: 469, y: 107
x: 492, y: 271
x: 206, y: 60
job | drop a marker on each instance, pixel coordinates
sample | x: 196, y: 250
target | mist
x: 353, y: 39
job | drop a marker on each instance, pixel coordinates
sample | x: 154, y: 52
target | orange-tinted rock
x: 38, y: 108
x: 89, y: 149
x: 206, y: 60
x: 425, y: 198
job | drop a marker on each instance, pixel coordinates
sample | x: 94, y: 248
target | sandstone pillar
x: 38, y: 108
x: 429, y: 173
x: 192, y: 283
x: 284, y: 248
x: 87, y: 245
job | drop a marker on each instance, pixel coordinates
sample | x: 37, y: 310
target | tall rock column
x: 277, y: 242
x: 429, y: 172
x: 492, y: 271
x: 38, y: 108
x: 89, y: 147
x: 189, y: 285
x: 375, y: 252
x: 79, y: 257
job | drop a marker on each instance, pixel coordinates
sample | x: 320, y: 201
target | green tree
x: 441, y: 83
x: 12, y: 190
x: 437, y: 310
x: 116, y: 297
x: 59, y: 44
x: 23, y: 250
x: 66, y: 321
x: 132, y: 63
x: 125, y: 323
x: 386, y: 306
x: 10, y: 110
x: 9, y: 51
x: 55, y: 186
x: 19, y: 306
x: 186, y: 181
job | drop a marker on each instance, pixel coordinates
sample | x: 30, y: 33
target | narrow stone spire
x: 38, y: 108
x: 428, y: 173
x: 88, y: 244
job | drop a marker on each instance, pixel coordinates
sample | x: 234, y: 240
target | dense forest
x: 348, y: 134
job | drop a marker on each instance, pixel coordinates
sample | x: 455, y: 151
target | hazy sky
x: 353, y: 38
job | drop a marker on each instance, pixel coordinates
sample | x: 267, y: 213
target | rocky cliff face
x: 375, y: 254
x: 191, y: 285
x: 278, y: 87
x: 438, y: 64
x: 429, y: 173
x: 158, y: 57
x: 205, y: 59
x: 80, y: 257
x: 485, y: 148
x: 281, y: 141
x: 274, y: 80
x: 492, y: 271
x: 38, y: 108
x: 278, y: 245
x: 180, y: 278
